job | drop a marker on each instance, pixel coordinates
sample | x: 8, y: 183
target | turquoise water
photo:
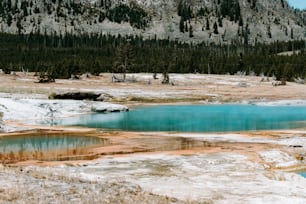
x: 46, y: 143
x: 303, y: 173
x: 197, y: 118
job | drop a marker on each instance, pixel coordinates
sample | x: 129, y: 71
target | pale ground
x: 188, y: 87
x: 246, y: 167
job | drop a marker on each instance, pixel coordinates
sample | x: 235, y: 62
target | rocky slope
x: 220, y: 21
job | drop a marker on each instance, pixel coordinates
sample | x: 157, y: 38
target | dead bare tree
x: 123, y: 61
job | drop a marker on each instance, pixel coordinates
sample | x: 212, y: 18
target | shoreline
x: 22, y: 128
x: 169, y: 167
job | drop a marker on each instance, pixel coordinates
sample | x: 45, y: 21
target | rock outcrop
x: 248, y: 21
x: 91, y: 96
x: 76, y: 96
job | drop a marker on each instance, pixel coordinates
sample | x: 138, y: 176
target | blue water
x: 303, y: 173
x: 197, y: 118
x: 46, y: 143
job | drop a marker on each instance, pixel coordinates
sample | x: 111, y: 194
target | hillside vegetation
x: 218, y: 21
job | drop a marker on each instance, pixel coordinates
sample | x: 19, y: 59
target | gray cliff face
x: 220, y: 21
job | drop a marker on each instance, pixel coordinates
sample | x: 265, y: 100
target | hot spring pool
x: 303, y: 173
x: 196, y: 118
x: 45, y: 142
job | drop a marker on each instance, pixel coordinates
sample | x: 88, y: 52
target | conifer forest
x: 64, y: 55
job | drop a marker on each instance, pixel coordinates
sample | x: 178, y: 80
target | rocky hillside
x: 220, y: 21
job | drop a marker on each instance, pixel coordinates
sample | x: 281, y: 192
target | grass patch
x: 24, y: 90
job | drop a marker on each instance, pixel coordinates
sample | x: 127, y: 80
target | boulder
x: 107, y: 107
x: 77, y: 96
x: 104, y: 97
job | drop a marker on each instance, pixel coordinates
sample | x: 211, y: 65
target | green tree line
x: 68, y: 54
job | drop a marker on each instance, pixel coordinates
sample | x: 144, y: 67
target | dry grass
x: 23, y: 90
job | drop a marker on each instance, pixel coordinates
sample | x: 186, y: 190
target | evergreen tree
x: 190, y: 31
x: 19, y: 26
x: 240, y: 21
x: 186, y: 28
x: 230, y: 8
x: 180, y: 8
x: 9, y: 5
x: 207, y: 24
x: 101, y: 17
x: 201, y: 12
x: 24, y: 8
x: 246, y: 34
x: 283, y: 3
x: 220, y: 22
x: 182, y: 25
x: 216, y: 28
x: 124, y: 60
x: 9, y: 19
x: 269, y: 31
x: 184, y: 10
x: 1, y: 10
x: 253, y: 5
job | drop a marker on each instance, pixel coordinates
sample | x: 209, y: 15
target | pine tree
x: 283, y: 3
x: 190, y: 31
x: 19, y: 26
x: 207, y: 24
x: 180, y: 8
x: 24, y: 7
x: 230, y: 8
x: 220, y: 22
x: 240, y: 21
x: 101, y: 17
x: 9, y: 19
x: 182, y: 25
x: 186, y: 27
x: 9, y: 5
x: 253, y: 5
x: 1, y: 10
x: 246, y: 34
x: 269, y: 31
x: 216, y: 28
x: 124, y: 60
